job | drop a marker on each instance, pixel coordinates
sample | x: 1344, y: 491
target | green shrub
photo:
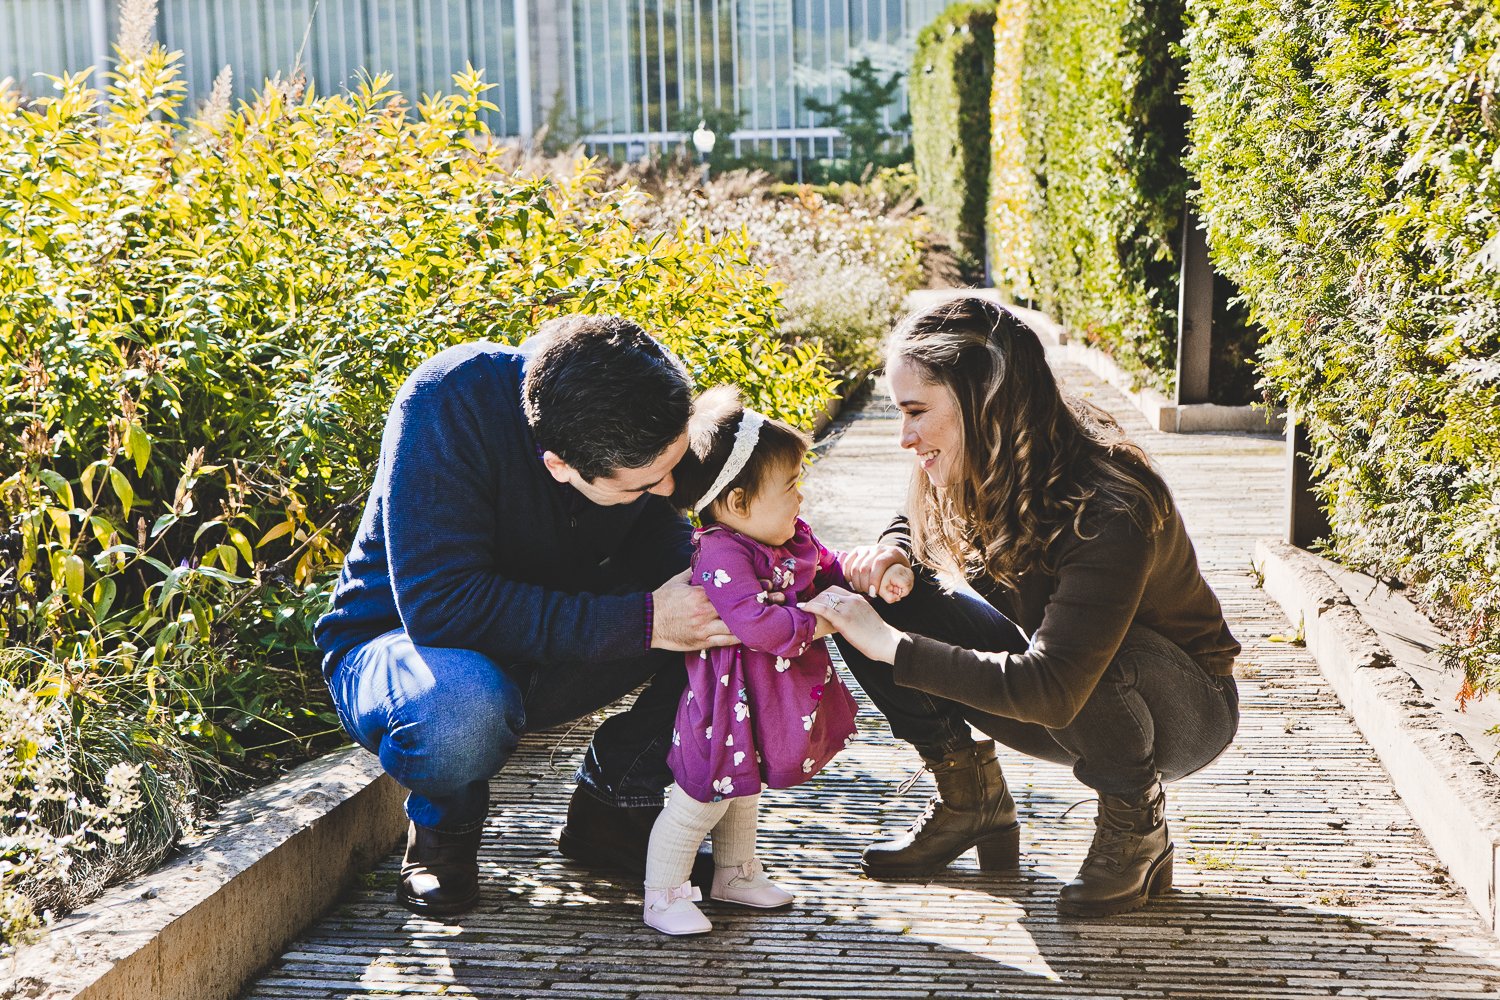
x: 1011, y: 182
x: 1105, y: 132
x: 1347, y: 155
x: 201, y: 328
x: 844, y: 266
x: 1090, y: 131
x: 950, y: 111
x: 861, y: 114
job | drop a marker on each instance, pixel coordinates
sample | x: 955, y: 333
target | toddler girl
x: 770, y: 712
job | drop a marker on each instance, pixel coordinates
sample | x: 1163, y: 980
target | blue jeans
x: 444, y: 721
x: 1154, y: 711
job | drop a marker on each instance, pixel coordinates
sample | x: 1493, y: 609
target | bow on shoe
x: 686, y: 890
x: 746, y: 871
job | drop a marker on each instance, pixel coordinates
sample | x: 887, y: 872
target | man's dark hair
x: 603, y: 395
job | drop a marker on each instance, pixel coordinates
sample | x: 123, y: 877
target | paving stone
x: 1299, y: 872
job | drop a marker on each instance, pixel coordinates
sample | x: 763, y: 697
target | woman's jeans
x: 1154, y: 713
x: 443, y: 721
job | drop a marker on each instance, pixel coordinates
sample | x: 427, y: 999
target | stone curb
x: 835, y: 406
x: 1163, y: 414
x: 1452, y: 794
x: 200, y: 927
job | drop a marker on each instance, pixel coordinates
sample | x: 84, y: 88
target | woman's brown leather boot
x: 1129, y: 861
x: 973, y: 808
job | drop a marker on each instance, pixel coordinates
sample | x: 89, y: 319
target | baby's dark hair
x: 711, y: 431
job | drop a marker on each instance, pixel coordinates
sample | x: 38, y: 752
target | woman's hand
x: 866, y: 566
x: 857, y: 621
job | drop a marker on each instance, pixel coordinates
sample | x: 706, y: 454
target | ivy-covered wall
x: 1011, y: 182
x: 1102, y: 129
x: 1089, y: 186
x: 950, y: 100
x: 1349, y: 160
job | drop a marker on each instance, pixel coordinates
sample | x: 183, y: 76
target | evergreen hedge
x: 950, y: 100
x: 1011, y: 182
x: 1349, y: 159
x: 1090, y: 129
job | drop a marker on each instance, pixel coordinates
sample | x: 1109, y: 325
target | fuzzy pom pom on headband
x: 745, y: 438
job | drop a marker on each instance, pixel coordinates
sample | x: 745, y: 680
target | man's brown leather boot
x: 440, y: 873
x: 1129, y: 861
x: 973, y: 808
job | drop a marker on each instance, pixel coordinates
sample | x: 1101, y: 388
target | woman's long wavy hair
x: 1034, y: 462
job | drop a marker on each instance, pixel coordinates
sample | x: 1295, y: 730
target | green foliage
x: 950, y: 102
x: 1011, y: 180
x: 201, y: 328
x: 859, y: 113
x: 1349, y: 159
x: 1105, y: 131
x: 844, y: 256
x: 1092, y: 110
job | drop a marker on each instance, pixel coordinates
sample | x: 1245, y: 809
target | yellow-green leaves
x: 1090, y: 129
x: 205, y: 325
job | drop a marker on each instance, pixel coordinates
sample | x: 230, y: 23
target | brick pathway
x: 1299, y: 872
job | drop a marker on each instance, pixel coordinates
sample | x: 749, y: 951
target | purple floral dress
x: 771, y: 711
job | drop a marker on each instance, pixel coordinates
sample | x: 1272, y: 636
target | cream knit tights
x: 682, y: 826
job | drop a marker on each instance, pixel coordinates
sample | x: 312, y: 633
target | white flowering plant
x: 45, y: 821
x: 843, y: 259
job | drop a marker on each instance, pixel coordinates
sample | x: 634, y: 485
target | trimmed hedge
x: 950, y: 98
x: 1090, y: 131
x: 1349, y: 159
x: 1011, y: 182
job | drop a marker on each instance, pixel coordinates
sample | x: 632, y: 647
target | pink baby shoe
x: 748, y: 885
x: 671, y: 911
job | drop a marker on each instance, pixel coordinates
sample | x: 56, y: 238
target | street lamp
x: 703, y: 140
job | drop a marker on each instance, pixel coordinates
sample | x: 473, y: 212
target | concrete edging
x: 1163, y: 414
x: 201, y: 926
x: 835, y: 406
x: 1452, y: 794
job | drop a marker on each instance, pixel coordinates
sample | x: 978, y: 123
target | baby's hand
x: 895, y: 583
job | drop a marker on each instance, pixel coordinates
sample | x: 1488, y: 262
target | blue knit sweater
x: 467, y: 541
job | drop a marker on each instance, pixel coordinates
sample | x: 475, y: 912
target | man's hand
x: 865, y: 567
x: 683, y: 619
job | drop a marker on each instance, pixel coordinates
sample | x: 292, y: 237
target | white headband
x: 744, y: 443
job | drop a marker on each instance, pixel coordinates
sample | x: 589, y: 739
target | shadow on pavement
x: 547, y: 929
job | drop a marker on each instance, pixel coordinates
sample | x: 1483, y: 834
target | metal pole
x: 524, y: 96
x: 1195, y: 314
x: 99, y: 34
x: 1306, y: 521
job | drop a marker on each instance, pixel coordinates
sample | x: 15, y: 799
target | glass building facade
x: 626, y: 75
